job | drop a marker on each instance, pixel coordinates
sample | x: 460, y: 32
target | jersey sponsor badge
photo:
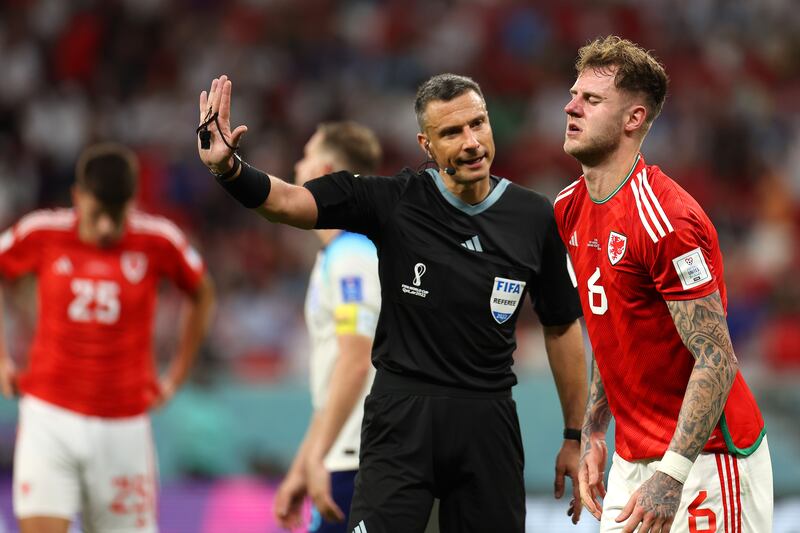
x: 134, y: 266
x: 351, y: 289
x: 692, y: 269
x: 506, y: 295
x: 617, y: 244
x: 63, y: 266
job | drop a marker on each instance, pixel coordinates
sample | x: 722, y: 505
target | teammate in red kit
x: 84, y: 441
x: 691, y: 452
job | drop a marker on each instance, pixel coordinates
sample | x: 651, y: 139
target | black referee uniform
x: 440, y: 420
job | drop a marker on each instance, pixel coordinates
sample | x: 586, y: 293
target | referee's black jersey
x: 453, y: 275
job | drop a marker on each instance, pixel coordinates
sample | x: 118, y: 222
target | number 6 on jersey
x: 597, y: 292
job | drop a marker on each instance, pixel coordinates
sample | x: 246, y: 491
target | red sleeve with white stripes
x: 182, y: 264
x: 685, y: 262
x: 177, y: 260
x: 19, y: 251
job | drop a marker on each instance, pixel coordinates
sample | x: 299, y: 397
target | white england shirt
x: 344, y: 297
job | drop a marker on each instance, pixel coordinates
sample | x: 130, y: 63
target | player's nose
x: 572, y: 108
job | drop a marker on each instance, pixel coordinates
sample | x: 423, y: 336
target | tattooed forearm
x: 598, y: 414
x: 703, y: 329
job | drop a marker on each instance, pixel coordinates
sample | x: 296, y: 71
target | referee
x: 458, y: 251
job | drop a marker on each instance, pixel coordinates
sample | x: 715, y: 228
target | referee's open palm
x: 218, y: 100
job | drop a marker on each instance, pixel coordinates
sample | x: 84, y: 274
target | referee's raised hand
x: 215, y: 113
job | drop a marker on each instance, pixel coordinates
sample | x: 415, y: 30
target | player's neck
x: 605, y: 177
x: 327, y: 235
x: 471, y: 193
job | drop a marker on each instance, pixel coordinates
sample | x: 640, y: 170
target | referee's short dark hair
x: 109, y: 171
x: 356, y: 146
x: 442, y: 87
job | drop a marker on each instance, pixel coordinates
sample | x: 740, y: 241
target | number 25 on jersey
x: 94, y: 301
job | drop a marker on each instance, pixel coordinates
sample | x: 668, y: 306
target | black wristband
x: 237, y: 162
x: 572, y: 434
x: 250, y: 188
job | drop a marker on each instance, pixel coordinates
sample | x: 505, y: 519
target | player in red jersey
x: 691, y: 453
x: 84, y: 441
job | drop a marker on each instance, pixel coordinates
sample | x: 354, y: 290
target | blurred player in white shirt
x: 342, y: 307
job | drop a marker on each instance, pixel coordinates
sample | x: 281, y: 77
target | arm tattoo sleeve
x: 598, y: 414
x: 703, y: 329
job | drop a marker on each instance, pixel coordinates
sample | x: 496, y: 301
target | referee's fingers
x: 558, y: 484
x: 203, y: 104
x: 236, y: 135
x: 576, y: 506
x: 215, y: 96
x: 209, y: 99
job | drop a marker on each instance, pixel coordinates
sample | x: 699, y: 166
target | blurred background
x: 76, y: 72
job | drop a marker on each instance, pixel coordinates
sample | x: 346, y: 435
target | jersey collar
x: 463, y: 206
x: 639, y: 159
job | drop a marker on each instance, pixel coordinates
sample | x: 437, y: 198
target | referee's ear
x: 424, y: 143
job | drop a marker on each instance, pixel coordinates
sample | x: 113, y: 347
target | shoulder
x: 566, y: 198
x: 534, y: 206
x: 156, y: 227
x: 662, y: 206
x: 45, y: 220
x: 408, y: 178
x: 351, y: 249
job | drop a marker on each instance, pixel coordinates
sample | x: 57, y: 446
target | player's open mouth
x: 572, y: 128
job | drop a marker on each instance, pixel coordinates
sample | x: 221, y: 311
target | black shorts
x: 420, y: 442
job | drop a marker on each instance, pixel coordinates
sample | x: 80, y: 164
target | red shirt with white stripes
x: 92, y: 350
x: 646, y: 243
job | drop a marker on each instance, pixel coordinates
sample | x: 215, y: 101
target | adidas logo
x: 473, y: 244
x: 360, y: 528
x: 573, y: 241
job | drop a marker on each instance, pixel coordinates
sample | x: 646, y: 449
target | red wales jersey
x: 648, y: 242
x: 92, y: 350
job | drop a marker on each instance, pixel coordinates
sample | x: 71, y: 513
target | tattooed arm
x: 702, y: 326
x: 703, y: 329
x: 594, y: 452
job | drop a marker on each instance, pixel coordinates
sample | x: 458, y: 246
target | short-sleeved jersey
x: 453, y: 275
x: 344, y: 298
x: 91, y: 351
x: 648, y: 243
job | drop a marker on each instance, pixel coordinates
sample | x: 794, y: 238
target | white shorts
x: 724, y: 493
x: 66, y: 462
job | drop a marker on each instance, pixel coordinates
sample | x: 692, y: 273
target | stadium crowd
x: 130, y: 70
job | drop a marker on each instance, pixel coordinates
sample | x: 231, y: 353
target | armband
x: 250, y: 188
